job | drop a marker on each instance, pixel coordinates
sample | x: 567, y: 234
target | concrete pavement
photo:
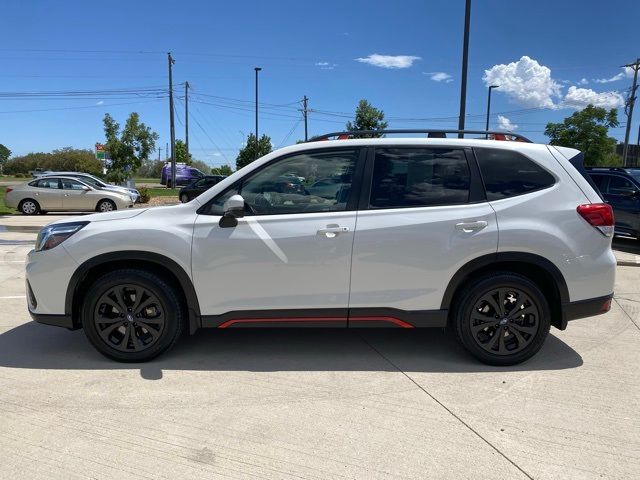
x: 317, y: 404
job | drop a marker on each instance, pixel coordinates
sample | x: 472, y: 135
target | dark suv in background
x: 620, y: 187
x: 201, y: 185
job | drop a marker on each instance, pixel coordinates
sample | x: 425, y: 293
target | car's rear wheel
x: 106, y: 206
x: 28, y: 206
x: 184, y: 198
x: 132, y: 315
x: 502, y: 319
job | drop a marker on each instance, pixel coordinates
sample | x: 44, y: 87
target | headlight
x: 54, y: 235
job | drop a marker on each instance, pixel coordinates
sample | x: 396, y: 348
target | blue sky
x: 550, y: 58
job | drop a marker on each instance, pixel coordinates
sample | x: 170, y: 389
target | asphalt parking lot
x: 318, y: 404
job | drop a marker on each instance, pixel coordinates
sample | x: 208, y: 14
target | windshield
x: 635, y: 173
x: 94, y: 182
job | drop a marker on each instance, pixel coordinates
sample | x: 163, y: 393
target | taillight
x: 9, y: 189
x: 599, y: 215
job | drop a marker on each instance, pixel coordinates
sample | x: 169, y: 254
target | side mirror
x: 85, y: 188
x: 233, y: 209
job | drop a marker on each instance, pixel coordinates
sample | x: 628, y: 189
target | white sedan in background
x: 49, y: 194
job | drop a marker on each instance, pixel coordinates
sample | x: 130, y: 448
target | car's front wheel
x: 502, y: 319
x: 106, y: 206
x: 132, y: 315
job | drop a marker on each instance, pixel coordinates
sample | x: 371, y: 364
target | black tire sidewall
x: 169, y: 302
x: 473, y: 294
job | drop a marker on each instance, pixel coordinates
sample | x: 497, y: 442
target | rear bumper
x: 587, y: 308
x: 54, y: 320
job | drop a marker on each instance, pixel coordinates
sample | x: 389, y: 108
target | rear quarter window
x: 508, y: 173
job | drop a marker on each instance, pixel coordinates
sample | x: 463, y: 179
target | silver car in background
x: 64, y: 194
x: 93, y: 181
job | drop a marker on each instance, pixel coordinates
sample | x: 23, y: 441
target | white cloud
x: 627, y: 72
x: 581, y: 97
x: 439, y: 76
x: 326, y: 65
x: 101, y: 102
x: 505, y: 124
x: 389, y: 61
x: 583, y: 81
x: 526, y: 82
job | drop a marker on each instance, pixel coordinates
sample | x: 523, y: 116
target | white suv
x: 497, y: 240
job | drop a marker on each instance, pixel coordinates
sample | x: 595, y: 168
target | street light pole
x: 257, y: 69
x: 465, y: 62
x: 491, y: 87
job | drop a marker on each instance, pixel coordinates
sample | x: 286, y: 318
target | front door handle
x: 471, y: 226
x: 332, y: 230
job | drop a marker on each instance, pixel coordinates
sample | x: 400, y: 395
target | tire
x: 522, y: 335
x: 106, y: 206
x: 184, y: 198
x: 168, y: 183
x: 107, y: 328
x: 29, y: 206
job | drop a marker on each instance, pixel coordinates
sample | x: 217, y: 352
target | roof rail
x: 431, y: 133
x: 607, y: 169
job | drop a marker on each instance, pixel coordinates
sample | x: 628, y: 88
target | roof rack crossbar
x: 437, y: 133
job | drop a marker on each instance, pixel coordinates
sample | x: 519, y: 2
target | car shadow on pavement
x: 36, y: 346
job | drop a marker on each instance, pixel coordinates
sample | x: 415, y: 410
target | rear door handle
x: 471, y: 226
x: 331, y: 231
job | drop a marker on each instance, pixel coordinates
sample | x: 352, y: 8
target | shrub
x: 145, y: 196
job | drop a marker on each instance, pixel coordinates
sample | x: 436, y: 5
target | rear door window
x: 507, y: 173
x: 46, y: 183
x: 619, y: 185
x: 419, y: 177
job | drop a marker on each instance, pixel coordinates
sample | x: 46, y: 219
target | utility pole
x: 491, y: 87
x: 171, y: 123
x: 166, y: 151
x: 257, y: 69
x: 159, y: 153
x: 305, y: 101
x: 186, y: 117
x: 465, y: 62
x: 629, y: 109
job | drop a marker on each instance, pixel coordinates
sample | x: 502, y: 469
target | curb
x: 20, y: 228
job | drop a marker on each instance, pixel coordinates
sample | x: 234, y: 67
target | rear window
x: 507, y: 173
x: 419, y: 177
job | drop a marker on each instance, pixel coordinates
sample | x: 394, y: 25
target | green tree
x: 588, y: 131
x: 62, y: 159
x: 5, y: 153
x: 225, y: 170
x: 367, y: 117
x: 127, y: 148
x: 253, y: 150
x: 181, y: 153
x: 200, y: 165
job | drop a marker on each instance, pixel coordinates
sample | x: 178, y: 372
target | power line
x: 78, y: 107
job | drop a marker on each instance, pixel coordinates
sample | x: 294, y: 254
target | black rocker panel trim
x: 327, y: 317
x: 193, y: 307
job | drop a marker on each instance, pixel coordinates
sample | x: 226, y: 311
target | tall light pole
x: 465, y: 62
x: 171, y: 122
x: 491, y: 87
x: 257, y: 69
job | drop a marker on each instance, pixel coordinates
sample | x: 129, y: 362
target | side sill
x: 328, y: 318
x: 55, y: 320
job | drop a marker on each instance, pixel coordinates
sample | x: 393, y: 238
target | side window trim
x: 475, y: 196
x: 352, y: 202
